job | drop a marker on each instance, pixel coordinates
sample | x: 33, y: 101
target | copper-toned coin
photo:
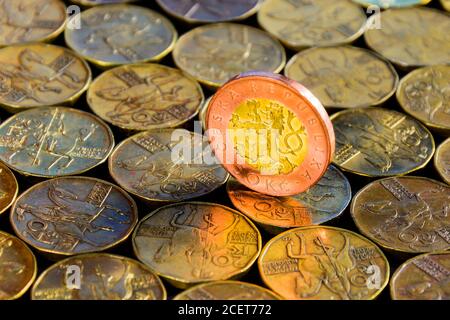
x: 8, y: 188
x: 405, y: 214
x: 99, y: 2
x: 270, y: 133
x: 195, y: 242
x: 442, y: 160
x: 344, y: 76
x: 17, y: 267
x: 323, y: 263
x: 145, y: 96
x: 101, y: 277
x: 378, y: 142
x: 73, y: 215
x: 54, y: 141
x: 391, y: 3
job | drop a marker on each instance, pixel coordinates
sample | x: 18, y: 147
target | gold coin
x: 8, y: 188
x: 145, y: 96
x: 37, y: 74
x: 425, y: 277
x: 442, y: 160
x: 392, y: 3
x: 378, y: 142
x: 194, y: 242
x: 299, y: 24
x: 101, y: 276
x: 215, y: 53
x: 344, y: 76
x: 323, y: 263
x: 404, y: 214
x: 446, y: 4
x: 412, y: 37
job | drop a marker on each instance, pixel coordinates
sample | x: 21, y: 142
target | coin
x: 54, y: 141
x: 412, y: 37
x: 300, y: 24
x: 378, y: 142
x: 424, y: 277
x: 270, y: 133
x: 73, y: 215
x: 203, y: 112
x: 166, y: 165
x: 425, y: 94
x: 344, y: 76
x: 99, y: 2
x: 324, y: 201
x: 101, y: 277
x: 323, y: 263
x: 145, y: 96
x: 17, y: 267
x: 195, y: 242
x: 8, y: 188
x: 37, y: 74
x: 442, y: 160
x: 392, y: 3
x: 404, y: 214
x: 446, y: 4
x: 214, y: 53
x: 118, y: 34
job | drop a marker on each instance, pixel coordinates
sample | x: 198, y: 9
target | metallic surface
x: 392, y: 3
x: 442, y: 160
x: 8, y: 188
x: 99, y: 2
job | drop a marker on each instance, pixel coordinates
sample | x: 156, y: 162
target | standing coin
x: 54, y: 141
x: 101, y: 277
x: 73, y: 215
x: 8, y: 188
x: 323, y: 263
x: 195, y: 242
x: 405, y: 214
x: 344, y: 76
x: 442, y: 160
x: 392, y: 3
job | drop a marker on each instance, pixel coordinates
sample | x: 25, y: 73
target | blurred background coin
x: 8, y: 188
x: 442, y: 160
x: 391, y: 3
x: 446, y: 4
x: 203, y: 112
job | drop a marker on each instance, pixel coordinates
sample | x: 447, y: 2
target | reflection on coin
x: 391, y: 3
x: 54, y: 141
x: 344, y: 76
x: 214, y: 53
x: 323, y: 263
x: 17, y: 267
x: 37, y: 74
x: 8, y: 188
x: 119, y: 34
x: 99, y: 2
x: 406, y: 214
x: 145, y: 96
x: 102, y: 277
x: 412, y: 37
x: 166, y: 165
x: 195, y: 242
x: 73, y: 215
x: 442, y: 160
x: 203, y: 112
x: 378, y: 142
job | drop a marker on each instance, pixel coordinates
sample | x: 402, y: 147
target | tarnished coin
x: 323, y: 263
x: 405, y: 214
x: 344, y: 76
x: 145, y: 96
x: 425, y: 277
x: 17, y: 267
x: 215, y: 53
x: 99, y: 2
x: 195, y: 242
x: 118, y: 34
x: 442, y: 160
x: 37, y: 74
x: 446, y: 4
x: 324, y: 201
x: 102, y: 277
x: 203, y: 112
x: 378, y: 142
x: 412, y: 37
x: 299, y: 24
x: 73, y: 215
x: 8, y: 188
x: 54, y: 141
x: 166, y: 165
x: 391, y: 3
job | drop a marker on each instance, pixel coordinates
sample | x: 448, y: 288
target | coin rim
x: 16, y: 189
x: 437, y: 165
x: 368, y: 4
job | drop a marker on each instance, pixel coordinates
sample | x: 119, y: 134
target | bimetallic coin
x: 73, y: 215
x: 344, y: 76
x: 195, y: 242
x: 203, y: 112
x: 442, y: 160
x: 120, y: 34
x: 425, y: 277
x: 145, y: 96
x: 102, y: 277
x: 37, y: 74
x: 391, y: 3
x: 17, y: 267
x: 323, y: 263
x: 166, y: 165
x: 8, y: 188
x: 215, y: 53
x: 299, y: 24
x: 404, y: 214
x: 54, y: 141
x: 378, y: 142
x: 412, y: 37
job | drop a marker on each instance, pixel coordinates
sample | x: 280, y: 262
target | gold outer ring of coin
x: 368, y: 4
x: 16, y: 192
x: 436, y: 163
